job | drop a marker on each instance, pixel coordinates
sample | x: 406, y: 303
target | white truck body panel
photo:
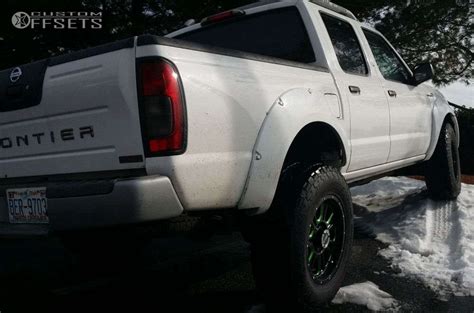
x: 91, y: 92
x: 227, y: 100
x: 410, y: 120
x: 368, y: 111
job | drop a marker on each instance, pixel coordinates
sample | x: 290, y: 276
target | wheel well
x: 450, y: 119
x: 317, y: 143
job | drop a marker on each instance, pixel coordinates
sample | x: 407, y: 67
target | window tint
x: 277, y: 33
x: 345, y: 43
x: 388, y: 62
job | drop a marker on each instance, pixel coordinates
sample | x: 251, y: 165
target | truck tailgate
x: 71, y: 114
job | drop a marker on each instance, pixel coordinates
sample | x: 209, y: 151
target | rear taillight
x: 162, y: 108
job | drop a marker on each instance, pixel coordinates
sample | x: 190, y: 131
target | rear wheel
x: 326, y: 240
x: 300, y: 258
x: 443, y: 171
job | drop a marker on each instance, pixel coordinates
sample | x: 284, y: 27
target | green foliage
x: 440, y: 32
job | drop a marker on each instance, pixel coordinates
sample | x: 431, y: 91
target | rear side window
x: 387, y: 60
x: 278, y: 33
x: 346, y: 45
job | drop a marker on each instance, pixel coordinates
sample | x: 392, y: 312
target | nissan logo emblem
x: 15, y: 74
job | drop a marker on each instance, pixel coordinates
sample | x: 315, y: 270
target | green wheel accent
x: 325, y: 240
x: 322, y: 210
x: 312, y: 231
x: 328, y: 222
x: 311, y: 254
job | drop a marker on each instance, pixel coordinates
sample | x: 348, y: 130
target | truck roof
x: 324, y: 3
x: 334, y: 7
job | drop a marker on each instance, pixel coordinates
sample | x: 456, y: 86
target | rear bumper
x: 79, y: 205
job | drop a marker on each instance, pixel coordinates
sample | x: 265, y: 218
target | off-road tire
x: 280, y: 251
x: 443, y: 171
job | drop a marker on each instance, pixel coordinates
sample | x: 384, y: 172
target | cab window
x: 284, y: 35
x: 387, y: 60
x: 346, y: 45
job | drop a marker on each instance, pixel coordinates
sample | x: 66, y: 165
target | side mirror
x: 422, y: 73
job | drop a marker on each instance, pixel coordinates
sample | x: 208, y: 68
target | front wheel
x: 443, y: 170
x: 302, y: 264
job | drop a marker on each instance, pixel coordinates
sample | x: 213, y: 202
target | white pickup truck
x: 274, y: 108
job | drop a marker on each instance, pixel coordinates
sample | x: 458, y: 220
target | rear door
x: 72, y: 114
x: 410, y: 108
x: 369, y: 113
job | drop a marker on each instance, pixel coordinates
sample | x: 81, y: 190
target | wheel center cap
x: 326, y: 236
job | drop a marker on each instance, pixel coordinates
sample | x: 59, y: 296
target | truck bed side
x: 228, y: 95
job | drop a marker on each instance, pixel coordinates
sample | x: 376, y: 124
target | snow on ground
x: 432, y: 241
x: 367, y: 294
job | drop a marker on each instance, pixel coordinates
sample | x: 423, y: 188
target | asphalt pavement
x: 179, y: 274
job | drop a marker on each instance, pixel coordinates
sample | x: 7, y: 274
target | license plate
x: 27, y: 205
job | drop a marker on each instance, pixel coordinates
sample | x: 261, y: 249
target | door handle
x: 430, y: 95
x: 354, y: 89
x: 392, y: 93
